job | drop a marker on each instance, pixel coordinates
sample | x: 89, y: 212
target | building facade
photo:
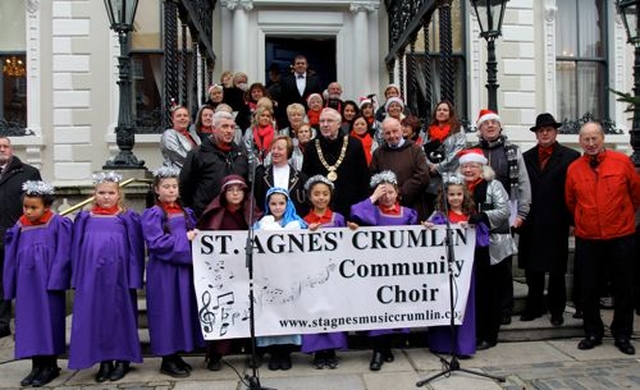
x: 60, y: 98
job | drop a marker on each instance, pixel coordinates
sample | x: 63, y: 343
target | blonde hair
x: 120, y: 202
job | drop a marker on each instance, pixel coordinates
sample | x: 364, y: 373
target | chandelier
x: 14, y: 67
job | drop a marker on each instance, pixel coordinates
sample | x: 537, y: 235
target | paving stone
x: 333, y: 382
x: 386, y: 381
x: 206, y: 385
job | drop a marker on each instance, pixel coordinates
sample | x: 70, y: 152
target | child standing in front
x: 323, y: 345
x: 168, y: 230
x: 383, y: 208
x: 107, y: 264
x: 36, y: 274
x: 280, y: 215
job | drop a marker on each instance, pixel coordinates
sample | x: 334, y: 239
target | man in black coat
x: 13, y: 173
x: 206, y: 166
x: 297, y: 86
x: 545, y: 233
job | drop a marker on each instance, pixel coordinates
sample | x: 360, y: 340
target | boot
x: 171, y: 367
x: 105, y: 371
x: 49, y: 372
x: 35, y: 370
x: 120, y: 370
x: 377, y: 360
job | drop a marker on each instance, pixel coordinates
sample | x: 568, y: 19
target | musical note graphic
x: 207, y: 317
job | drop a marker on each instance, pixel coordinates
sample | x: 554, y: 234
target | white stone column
x: 240, y: 24
x: 360, y: 60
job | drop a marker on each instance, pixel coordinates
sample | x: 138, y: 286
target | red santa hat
x: 393, y: 100
x: 472, y: 155
x: 485, y: 115
x: 364, y: 100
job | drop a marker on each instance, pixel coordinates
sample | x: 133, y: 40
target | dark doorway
x: 320, y: 53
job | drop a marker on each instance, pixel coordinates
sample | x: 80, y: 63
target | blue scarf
x: 289, y: 212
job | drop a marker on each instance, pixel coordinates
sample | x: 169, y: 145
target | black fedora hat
x: 544, y: 120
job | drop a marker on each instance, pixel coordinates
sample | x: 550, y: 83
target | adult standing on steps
x: 13, y: 173
x: 603, y: 194
x: 544, y: 235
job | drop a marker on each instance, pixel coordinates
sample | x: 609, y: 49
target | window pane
x: 590, y: 18
x: 146, y: 35
x: 13, y: 82
x: 147, y: 83
x: 566, y: 89
x: 566, y: 34
x: 13, y: 33
x: 590, y: 96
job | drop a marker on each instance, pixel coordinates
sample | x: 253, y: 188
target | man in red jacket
x: 603, y: 194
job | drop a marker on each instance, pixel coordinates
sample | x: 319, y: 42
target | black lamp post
x: 490, y: 14
x: 121, y: 15
x: 629, y: 11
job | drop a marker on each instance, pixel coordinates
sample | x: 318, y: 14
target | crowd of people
x: 315, y: 161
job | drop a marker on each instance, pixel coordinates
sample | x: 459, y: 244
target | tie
x: 300, y: 76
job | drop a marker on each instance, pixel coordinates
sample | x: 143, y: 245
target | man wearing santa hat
x: 506, y: 160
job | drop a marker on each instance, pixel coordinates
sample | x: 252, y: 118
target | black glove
x: 479, y: 217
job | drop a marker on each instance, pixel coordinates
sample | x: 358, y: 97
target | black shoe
x: 589, y: 342
x: 46, y: 375
x: 170, y: 367
x: 120, y: 370
x: 182, y: 364
x: 4, y: 332
x: 285, y: 361
x: 505, y: 319
x: 104, y: 372
x: 387, y: 355
x: 377, y: 360
x: 331, y: 360
x: 214, y: 363
x: 319, y: 360
x: 482, y: 345
x: 274, y: 362
x: 27, y: 380
x: 557, y: 320
x: 529, y: 316
x: 625, y: 346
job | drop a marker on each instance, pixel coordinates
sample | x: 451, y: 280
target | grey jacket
x: 175, y: 146
x: 501, y: 244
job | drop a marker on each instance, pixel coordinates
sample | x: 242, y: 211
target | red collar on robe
x: 393, y: 210
x: 40, y: 221
x: 457, y: 218
x: 325, y: 218
x: 170, y: 208
x: 108, y: 211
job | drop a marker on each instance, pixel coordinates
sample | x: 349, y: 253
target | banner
x: 330, y: 280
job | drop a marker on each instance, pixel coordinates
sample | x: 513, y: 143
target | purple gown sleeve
x: 365, y: 213
x: 60, y: 273
x: 163, y: 246
x: 412, y: 216
x: 11, y: 239
x: 136, y: 248
x: 76, y: 245
x: 339, y: 220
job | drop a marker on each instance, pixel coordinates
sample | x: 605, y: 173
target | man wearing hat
x: 506, y: 160
x: 544, y: 235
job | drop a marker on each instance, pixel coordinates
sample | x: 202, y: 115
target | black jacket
x: 296, y: 189
x: 11, y: 181
x: 204, y: 170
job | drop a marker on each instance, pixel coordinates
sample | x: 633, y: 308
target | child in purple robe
x: 107, y: 265
x: 280, y: 215
x: 323, y: 345
x: 460, y: 206
x: 36, y: 274
x: 230, y: 210
x: 383, y: 208
x: 168, y: 230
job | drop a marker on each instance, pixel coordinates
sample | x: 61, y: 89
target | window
x: 13, y: 67
x: 581, y: 59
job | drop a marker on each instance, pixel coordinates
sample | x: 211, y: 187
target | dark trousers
x: 505, y: 284
x: 619, y: 256
x: 5, y: 306
x: 487, y: 296
x: 556, y: 293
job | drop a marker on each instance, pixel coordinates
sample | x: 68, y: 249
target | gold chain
x: 333, y: 175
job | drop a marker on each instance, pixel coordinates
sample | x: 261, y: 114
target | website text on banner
x: 330, y: 280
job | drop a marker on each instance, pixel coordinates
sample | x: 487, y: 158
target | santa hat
x: 396, y: 86
x: 486, y: 115
x: 314, y: 95
x: 392, y: 100
x: 474, y: 155
x: 364, y: 100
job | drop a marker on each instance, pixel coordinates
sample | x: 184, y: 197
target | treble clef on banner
x: 207, y: 317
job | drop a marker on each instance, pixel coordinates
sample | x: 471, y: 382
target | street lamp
x: 490, y: 14
x: 629, y: 11
x: 121, y: 15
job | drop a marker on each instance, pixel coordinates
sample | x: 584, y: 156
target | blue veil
x: 289, y: 212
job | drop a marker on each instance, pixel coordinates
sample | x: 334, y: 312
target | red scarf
x: 185, y: 133
x: 544, y: 154
x: 24, y: 221
x: 393, y: 210
x: 170, y: 208
x: 367, y: 142
x: 314, y: 117
x: 206, y: 129
x: 223, y: 146
x: 325, y: 218
x: 108, y: 211
x: 457, y: 218
x: 472, y: 186
x: 263, y: 136
x: 439, y: 132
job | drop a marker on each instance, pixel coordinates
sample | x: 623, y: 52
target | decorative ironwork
x: 427, y: 67
x: 412, y: 95
x: 195, y: 102
x: 401, y: 71
x: 170, y: 59
x: 405, y: 19
x: 184, y: 76
x: 150, y: 122
x: 14, y: 129
x: 572, y: 126
x: 446, y: 76
x: 200, y: 20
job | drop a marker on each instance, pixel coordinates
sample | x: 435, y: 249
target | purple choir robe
x: 107, y: 266
x: 37, y: 270
x: 171, y: 299
x: 368, y: 214
x: 320, y: 341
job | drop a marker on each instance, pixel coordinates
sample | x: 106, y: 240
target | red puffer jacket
x: 603, y: 201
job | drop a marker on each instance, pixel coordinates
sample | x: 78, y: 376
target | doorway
x: 320, y: 53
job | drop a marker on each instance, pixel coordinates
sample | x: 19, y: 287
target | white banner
x: 330, y: 280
